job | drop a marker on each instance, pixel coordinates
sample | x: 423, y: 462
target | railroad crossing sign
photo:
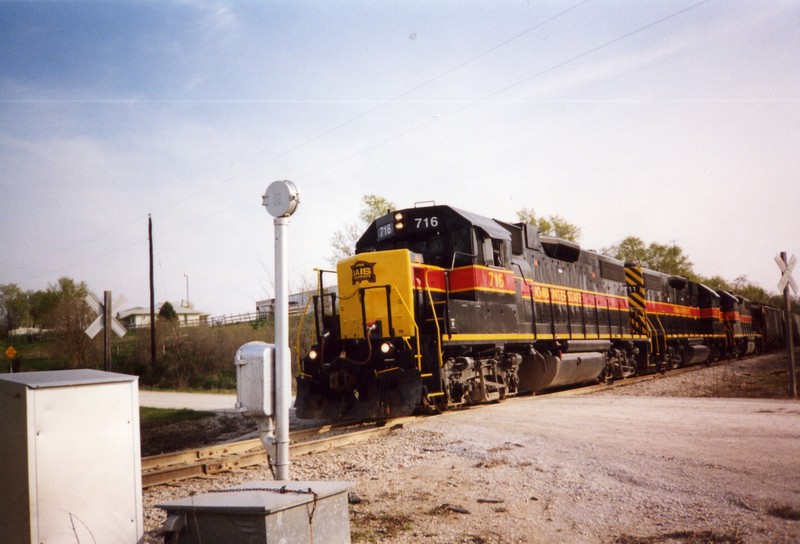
x: 786, y: 271
x: 99, y: 307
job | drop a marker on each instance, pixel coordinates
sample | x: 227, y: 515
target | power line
x: 398, y: 135
x: 390, y: 101
x: 486, y: 97
x: 317, y: 137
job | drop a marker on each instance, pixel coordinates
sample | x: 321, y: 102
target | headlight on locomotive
x: 387, y: 349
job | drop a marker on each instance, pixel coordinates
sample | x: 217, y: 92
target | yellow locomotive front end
x: 368, y: 365
x: 376, y: 295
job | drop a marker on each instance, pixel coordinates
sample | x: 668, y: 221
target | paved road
x: 193, y: 401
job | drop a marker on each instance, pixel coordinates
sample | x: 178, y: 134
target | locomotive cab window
x: 438, y: 247
x: 494, y: 251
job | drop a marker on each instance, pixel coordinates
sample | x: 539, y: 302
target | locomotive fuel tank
x: 545, y: 371
x: 695, y: 353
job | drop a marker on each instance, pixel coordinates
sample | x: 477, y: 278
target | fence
x: 221, y: 320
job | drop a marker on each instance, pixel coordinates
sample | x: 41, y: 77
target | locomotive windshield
x: 440, y: 236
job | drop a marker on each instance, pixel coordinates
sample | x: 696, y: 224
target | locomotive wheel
x: 435, y: 406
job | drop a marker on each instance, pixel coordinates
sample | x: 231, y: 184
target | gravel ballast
x: 619, y: 466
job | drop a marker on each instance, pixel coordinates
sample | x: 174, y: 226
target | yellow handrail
x: 299, y: 333
x: 653, y: 329
x: 416, y: 327
x: 435, y: 318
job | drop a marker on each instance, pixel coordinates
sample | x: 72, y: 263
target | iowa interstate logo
x: 363, y: 271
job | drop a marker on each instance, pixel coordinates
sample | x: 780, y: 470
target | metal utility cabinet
x: 71, y: 463
x: 276, y: 512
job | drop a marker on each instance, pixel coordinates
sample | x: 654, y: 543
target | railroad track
x: 206, y: 461
x: 209, y: 460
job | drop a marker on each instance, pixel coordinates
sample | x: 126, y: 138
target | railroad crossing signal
x: 786, y: 271
x: 99, y: 307
x: 786, y: 266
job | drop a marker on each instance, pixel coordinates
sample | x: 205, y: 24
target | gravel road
x: 618, y: 467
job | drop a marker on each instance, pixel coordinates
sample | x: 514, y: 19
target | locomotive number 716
x: 426, y: 222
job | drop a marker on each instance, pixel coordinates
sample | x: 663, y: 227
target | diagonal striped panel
x: 634, y: 276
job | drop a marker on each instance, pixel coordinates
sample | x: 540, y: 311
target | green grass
x: 32, y: 355
x: 163, y: 416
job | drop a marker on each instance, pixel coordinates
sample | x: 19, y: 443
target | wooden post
x: 107, y: 330
x: 790, y: 335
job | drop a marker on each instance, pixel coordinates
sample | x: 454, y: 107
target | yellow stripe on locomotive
x: 371, y: 275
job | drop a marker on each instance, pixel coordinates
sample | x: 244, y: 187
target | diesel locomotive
x: 442, y: 307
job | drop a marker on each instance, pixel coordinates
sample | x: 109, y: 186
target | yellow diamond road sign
x: 11, y: 352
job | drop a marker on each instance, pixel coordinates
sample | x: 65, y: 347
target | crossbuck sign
x: 99, y: 307
x: 786, y: 270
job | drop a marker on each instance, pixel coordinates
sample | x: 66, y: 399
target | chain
x: 283, y: 490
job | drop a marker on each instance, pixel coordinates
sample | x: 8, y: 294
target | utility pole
x: 152, y: 297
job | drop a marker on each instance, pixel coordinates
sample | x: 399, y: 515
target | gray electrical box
x: 255, y: 384
x: 70, y: 468
x: 275, y: 512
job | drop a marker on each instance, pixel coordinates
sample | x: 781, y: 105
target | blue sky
x: 672, y: 121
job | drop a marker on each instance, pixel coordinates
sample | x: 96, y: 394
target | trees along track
x: 172, y: 467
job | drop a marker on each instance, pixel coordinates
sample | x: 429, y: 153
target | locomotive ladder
x: 438, y: 392
x: 433, y: 313
x: 730, y: 337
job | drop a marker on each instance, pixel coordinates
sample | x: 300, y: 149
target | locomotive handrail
x: 435, y: 318
x: 361, y: 293
x: 446, y: 315
x: 389, y: 288
x: 299, y: 332
x: 529, y: 283
x: 453, y: 260
x: 416, y: 328
x: 655, y: 330
x: 730, y: 335
x: 608, y: 318
x: 321, y: 294
x: 319, y: 320
x: 569, y: 316
x: 552, y: 314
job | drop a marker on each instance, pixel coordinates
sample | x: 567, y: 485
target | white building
x: 297, y: 302
x: 139, y: 317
